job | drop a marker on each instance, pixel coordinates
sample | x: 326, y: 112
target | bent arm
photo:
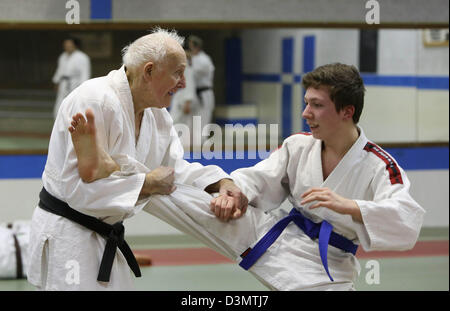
x: 392, y: 220
x: 194, y: 174
x: 266, y: 184
x: 114, y: 196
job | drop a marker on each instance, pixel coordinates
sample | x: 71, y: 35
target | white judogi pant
x: 280, y: 268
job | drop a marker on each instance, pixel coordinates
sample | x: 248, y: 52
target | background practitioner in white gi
x: 74, y: 67
x: 133, y: 130
x: 334, y: 174
x: 14, y: 259
x: 203, y: 68
x: 185, y: 104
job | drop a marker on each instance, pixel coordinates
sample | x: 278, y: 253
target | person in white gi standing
x: 185, y: 105
x: 345, y: 192
x: 203, y: 68
x: 14, y: 259
x: 132, y: 127
x: 74, y: 67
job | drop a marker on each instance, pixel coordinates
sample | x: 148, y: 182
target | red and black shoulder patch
x: 395, y: 175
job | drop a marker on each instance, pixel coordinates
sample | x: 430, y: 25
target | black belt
x: 200, y: 90
x: 19, y: 266
x: 68, y: 83
x: 114, y: 234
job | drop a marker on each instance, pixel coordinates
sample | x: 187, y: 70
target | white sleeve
x: 194, y: 174
x: 201, y: 65
x: 115, y: 195
x: 266, y: 184
x: 392, y: 220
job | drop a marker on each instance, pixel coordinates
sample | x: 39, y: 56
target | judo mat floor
x: 179, y: 263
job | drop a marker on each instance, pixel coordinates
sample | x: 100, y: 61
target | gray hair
x: 151, y: 47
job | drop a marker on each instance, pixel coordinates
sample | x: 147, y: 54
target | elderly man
x: 78, y: 225
x: 345, y: 191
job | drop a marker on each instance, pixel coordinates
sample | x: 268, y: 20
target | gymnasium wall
x: 406, y: 103
x: 399, y: 12
x: 411, y: 81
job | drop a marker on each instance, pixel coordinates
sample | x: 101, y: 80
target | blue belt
x: 323, y: 231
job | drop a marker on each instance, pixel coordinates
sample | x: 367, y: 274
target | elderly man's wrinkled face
x: 168, y: 77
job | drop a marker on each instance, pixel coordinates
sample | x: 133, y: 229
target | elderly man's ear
x: 148, y: 68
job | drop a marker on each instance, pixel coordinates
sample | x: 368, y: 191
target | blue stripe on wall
x: 287, y: 55
x: 101, y: 9
x: 405, y: 81
x: 233, y: 71
x: 309, y: 51
x: 420, y: 158
x: 287, y: 51
x: 423, y: 158
x: 22, y: 166
x: 428, y: 83
x: 223, y: 121
x: 228, y: 165
x: 286, y: 108
x: 262, y: 77
x: 420, y: 82
x: 267, y: 77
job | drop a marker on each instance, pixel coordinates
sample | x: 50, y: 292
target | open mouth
x: 313, y: 126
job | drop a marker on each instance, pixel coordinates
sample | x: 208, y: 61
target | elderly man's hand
x: 159, y: 181
x: 231, y: 202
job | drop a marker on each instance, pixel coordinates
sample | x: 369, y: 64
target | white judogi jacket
x: 65, y: 255
x: 73, y: 69
x: 392, y: 219
x: 203, y: 68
